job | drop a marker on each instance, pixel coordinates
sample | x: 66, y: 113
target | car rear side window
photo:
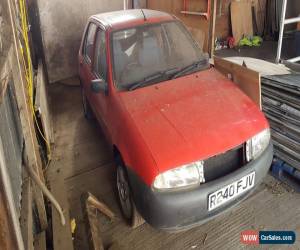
x: 89, y: 42
x: 100, y: 66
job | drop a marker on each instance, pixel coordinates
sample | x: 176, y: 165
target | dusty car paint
x: 165, y: 125
x: 171, y: 123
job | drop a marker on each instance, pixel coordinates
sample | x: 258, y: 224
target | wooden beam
x: 40, y: 241
x: 4, y: 78
x: 241, y: 19
x: 92, y: 223
x: 212, y: 29
x: 246, y: 79
x: 26, y: 219
x: 90, y: 205
x: 94, y: 202
x: 25, y: 111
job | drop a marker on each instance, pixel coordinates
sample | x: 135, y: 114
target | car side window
x: 89, y: 42
x: 100, y: 65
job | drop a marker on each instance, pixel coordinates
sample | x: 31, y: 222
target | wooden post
x: 212, y: 28
x: 90, y: 205
x: 4, y: 79
x: 30, y: 139
x: 26, y: 219
x: 91, y: 223
x: 40, y: 241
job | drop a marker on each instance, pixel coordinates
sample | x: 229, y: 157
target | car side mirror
x: 99, y: 85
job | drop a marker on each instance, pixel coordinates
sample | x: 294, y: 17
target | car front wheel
x: 125, y: 197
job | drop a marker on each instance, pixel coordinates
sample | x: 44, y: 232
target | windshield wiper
x: 152, y: 78
x: 203, y: 63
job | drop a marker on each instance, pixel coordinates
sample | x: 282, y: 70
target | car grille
x: 223, y: 164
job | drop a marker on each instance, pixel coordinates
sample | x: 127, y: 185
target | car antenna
x: 145, y: 19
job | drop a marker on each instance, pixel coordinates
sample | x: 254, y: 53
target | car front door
x: 100, y: 99
x: 85, y: 63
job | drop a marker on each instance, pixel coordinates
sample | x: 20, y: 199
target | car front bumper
x: 179, y: 210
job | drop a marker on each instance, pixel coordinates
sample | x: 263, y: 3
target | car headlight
x: 257, y: 144
x: 183, y: 176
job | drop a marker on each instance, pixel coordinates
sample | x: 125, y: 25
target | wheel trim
x: 124, y: 193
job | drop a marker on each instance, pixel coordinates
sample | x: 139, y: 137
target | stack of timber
x: 281, y: 104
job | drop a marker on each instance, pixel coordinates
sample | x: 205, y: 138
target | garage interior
x: 56, y: 165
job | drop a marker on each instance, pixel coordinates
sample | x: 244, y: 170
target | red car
x: 188, y: 143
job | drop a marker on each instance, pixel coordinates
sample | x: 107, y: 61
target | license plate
x: 231, y: 191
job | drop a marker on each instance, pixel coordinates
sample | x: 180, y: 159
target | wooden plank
x: 260, y: 13
x: 26, y: 219
x: 194, y: 13
x: 38, y: 199
x: 91, y: 207
x: 4, y: 78
x: 248, y: 80
x: 261, y: 66
x: 62, y: 236
x: 241, y: 19
x: 40, y: 241
x: 92, y: 224
x: 212, y: 29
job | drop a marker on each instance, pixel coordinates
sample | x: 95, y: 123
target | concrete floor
x: 87, y: 165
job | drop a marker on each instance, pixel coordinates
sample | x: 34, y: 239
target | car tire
x: 127, y: 205
x: 87, y: 110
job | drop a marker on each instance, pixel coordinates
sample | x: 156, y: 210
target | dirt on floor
x: 267, y: 51
x: 87, y: 164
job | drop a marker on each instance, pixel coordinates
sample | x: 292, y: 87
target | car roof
x: 115, y: 18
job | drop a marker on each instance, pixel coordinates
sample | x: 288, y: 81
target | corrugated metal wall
x: 12, y: 141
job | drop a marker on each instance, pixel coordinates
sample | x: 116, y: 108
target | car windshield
x: 150, y: 54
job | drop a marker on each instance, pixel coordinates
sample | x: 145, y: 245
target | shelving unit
x: 196, y: 13
x: 283, y: 22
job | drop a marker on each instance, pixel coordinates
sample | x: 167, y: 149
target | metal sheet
x: 288, y: 80
x: 11, y: 137
x: 281, y: 104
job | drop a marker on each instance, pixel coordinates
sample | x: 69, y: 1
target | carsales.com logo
x: 252, y: 237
